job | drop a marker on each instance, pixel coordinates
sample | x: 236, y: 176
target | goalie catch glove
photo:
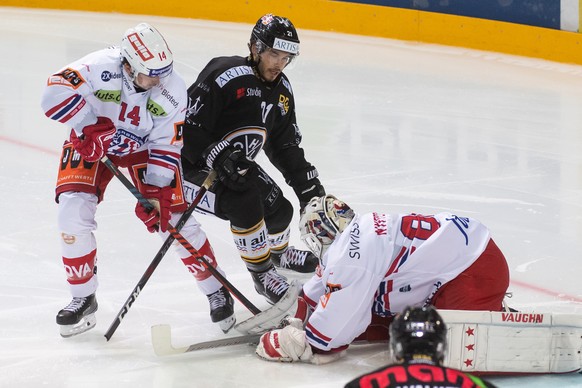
x: 230, y: 163
x: 289, y: 344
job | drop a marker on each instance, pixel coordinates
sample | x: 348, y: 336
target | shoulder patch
x: 67, y: 77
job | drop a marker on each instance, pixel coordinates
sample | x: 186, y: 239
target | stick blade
x: 162, y: 341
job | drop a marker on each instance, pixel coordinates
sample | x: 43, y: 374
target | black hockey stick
x: 162, y: 341
x: 174, y: 234
x: 163, y: 249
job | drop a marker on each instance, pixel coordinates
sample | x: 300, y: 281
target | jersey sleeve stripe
x: 65, y: 107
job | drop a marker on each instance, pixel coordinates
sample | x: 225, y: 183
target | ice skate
x: 78, y: 317
x: 222, y: 309
x: 295, y: 260
x: 270, y: 284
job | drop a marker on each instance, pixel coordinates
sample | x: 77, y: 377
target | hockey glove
x: 95, y: 140
x: 159, y: 217
x: 289, y: 344
x: 305, y: 194
x: 230, y: 163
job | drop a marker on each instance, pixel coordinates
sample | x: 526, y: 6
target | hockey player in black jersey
x: 418, y: 338
x: 238, y: 107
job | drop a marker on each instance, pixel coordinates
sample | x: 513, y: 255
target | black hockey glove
x: 310, y: 191
x: 230, y: 163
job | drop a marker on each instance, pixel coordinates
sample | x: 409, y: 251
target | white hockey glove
x: 289, y: 344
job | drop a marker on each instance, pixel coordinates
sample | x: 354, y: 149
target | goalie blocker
x: 483, y: 342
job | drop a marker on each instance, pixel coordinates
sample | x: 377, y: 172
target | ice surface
x: 392, y: 126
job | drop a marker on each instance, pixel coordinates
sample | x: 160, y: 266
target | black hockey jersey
x: 229, y: 102
x: 418, y: 375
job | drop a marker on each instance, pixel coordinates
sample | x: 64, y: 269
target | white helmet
x: 323, y: 219
x: 146, y: 51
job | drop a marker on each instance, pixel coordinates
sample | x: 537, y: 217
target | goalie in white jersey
x: 374, y: 265
x: 129, y: 104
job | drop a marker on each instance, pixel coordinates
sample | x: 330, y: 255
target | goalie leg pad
x: 513, y: 342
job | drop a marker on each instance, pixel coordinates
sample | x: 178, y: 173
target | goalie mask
x: 323, y: 219
x: 418, y: 333
x: 146, y: 51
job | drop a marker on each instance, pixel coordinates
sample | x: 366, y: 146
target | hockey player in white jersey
x: 374, y: 265
x: 129, y: 104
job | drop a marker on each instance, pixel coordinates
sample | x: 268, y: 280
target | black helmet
x: 418, y: 331
x: 277, y: 33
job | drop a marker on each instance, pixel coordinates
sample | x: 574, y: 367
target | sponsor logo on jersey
x: 406, y: 288
x: 283, y: 104
x: 254, y: 92
x: 329, y: 289
x: 108, y: 95
x: 156, y: 109
x: 193, y: 108
x: 354, y: 247
x: 248, y: 139
x: 68, y: 77
x: 170, y: 98
x: 107, y: 76
x: 232, y: 73
x: 203, y: 86
x: 287, y: 46
x: 125, y: 142
x: 523, y: 318
x: 248, y: 92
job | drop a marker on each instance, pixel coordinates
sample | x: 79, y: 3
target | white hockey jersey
x: 97, y: 85
x: 382, y: 263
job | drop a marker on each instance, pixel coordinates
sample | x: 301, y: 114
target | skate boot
x: 222, y: 309
x: 270, y: 284
x: 295, y: 260
x: 78, y: 316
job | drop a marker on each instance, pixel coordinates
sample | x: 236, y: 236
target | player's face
x: 273, y: 62
x: 146, y: 82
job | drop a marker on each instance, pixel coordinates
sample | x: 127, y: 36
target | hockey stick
x: 174, y: 234
x: 163, y: 249
x: 254, y: 327
x: 162, y: 341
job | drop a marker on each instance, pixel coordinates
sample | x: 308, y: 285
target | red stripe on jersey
x: 54, y: 109
x: 317, y: 333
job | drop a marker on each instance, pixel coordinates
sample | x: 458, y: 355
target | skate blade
x: 85, y: 324
x: 227, y: 324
